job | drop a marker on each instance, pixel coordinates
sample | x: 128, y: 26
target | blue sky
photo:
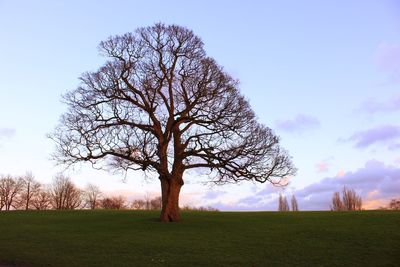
x: 325, y: 75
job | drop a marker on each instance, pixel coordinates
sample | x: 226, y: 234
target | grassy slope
x: 132, y: 238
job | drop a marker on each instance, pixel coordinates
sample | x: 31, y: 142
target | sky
x: 324, y: 75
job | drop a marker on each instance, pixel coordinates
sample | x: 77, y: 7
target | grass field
x: 135, y: 238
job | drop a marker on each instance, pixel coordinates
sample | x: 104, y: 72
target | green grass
x: 135, y: 238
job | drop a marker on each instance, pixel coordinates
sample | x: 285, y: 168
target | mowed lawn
x: 135, y: 238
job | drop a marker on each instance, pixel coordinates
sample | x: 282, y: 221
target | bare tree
x: 156, y: 203
x: 337, y: 204
x: 30, y: 189
x: 10, y: 187
x: 147, y: 201
x: 295, y: 206
x: 283, y: 203
x: 92, y: 195
x: 138, y: 204
x: 115, y: 203
x: 394, y: 204
x: 64, y: 194
x: 42, y: 201
x: 350, y: 201
x: 160, y: 105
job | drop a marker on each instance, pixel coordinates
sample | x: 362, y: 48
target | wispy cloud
x: 7, y: 132
x: 210, y: 195
x: 298, y: 124
x: 386, y: 134
x: 388, y: 59
x: 372, y: 106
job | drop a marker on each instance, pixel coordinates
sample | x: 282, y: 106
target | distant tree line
x: 26, y: 193
x: 394, y: 204
x: 349, y: 201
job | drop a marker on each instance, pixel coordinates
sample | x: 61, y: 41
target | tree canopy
x: 161, y: 105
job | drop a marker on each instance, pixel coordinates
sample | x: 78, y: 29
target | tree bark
x: 170, y: 190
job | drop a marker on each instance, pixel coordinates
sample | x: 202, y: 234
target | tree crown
x: 160, y: 104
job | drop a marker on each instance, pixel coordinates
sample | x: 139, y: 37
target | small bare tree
x: 92, y: 196
x: 156, y: 203
x: 337, y: 204
x: 283, y: 203
x: 295, y: 206
x: 10, y: 187
x: 138, y: 204
x: 394, y: 204
x: 42, y: 201
x: 115, y: 203
x: 350, y: 201
x: 64, y: 194
x: 147, y: 201
x: 30, y: 189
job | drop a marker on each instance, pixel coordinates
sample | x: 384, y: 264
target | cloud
x: 324, y: 165
x: 264, y: 199
x: 213, y: 194
x: 375, y: 182
x: 372, y: 106
x: 299, y: 124
x: 7, y: 132
x: 394, y: 147
x: 388, y: 59
x: 386, y: 134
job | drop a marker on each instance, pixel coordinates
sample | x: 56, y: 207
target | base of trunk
x: 170, y: 190
x: 170, y: 216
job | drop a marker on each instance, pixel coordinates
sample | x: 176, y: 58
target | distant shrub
x: 394, y: 204
x: 113, y: 203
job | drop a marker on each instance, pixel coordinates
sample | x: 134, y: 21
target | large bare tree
x: 160, y: 105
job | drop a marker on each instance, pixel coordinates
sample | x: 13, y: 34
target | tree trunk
x: 170, y: 189
x: 28, y: 196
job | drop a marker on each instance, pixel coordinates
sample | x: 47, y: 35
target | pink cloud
x: 298, y: 124
x: 340, y: 173
x: 322, y: 166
